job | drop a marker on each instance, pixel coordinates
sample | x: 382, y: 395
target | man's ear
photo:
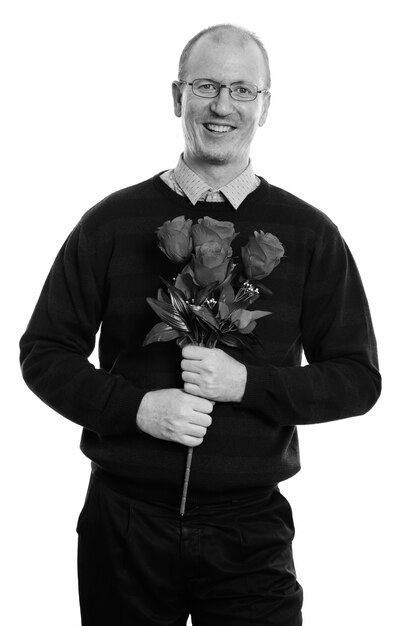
x: 176, y: 90
x: 264, y: 109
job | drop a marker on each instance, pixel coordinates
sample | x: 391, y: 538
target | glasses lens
x: 243, y: 91
x: 205, y: 88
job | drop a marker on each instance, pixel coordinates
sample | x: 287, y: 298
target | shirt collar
x: 195, y: 188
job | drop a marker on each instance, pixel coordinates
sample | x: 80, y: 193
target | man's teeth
x: 218, y: 129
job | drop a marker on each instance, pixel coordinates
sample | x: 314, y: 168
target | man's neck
x: 216, y: 176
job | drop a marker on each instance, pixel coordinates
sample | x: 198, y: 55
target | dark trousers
x: 229, y: 564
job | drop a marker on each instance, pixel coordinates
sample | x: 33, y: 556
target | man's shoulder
x: 288, y: 200
x: 122, y: 201
x: 294, y: 210
x: 131, y: 209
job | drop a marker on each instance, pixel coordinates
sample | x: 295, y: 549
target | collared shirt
x: 187, y: 183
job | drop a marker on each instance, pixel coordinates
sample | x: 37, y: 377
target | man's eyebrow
x: 233, y: 82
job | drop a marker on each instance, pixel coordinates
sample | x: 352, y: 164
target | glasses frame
x: 185, y: 82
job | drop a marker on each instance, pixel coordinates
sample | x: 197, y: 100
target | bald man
x: 227, y: 561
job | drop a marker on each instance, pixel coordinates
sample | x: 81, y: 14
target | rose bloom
x: 175, y: 239
x: 211, y: 263
x: 208, y: 229
x: 261, y: 255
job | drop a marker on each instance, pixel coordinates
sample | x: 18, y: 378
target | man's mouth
x: 219, y: 128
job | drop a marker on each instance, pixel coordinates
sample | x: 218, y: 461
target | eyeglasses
x: 206, y: 88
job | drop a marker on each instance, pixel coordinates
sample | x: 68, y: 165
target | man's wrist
x: 242, y: 384
x: 141, y: 411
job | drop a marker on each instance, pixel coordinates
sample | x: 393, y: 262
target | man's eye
x: 207, y: 87
x: 242, y: 90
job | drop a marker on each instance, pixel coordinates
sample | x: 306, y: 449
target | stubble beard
x: 213, y: 157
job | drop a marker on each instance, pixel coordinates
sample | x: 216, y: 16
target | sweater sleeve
x: 342, y: 377
x: 61, y: 336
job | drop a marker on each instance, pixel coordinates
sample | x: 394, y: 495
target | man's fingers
x: 193, y: 390
x: 191, y: 442
x: 194, y: 352
x: 188, y: 365
x: 195, y: 401
x: 190, y: 377
x: 201, y: 419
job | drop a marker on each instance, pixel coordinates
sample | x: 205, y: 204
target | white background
x: 87, y: 110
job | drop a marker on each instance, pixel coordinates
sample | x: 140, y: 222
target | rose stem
x: 186, y: 480
x: 189, y: 456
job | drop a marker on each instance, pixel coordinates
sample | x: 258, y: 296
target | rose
x: 261, y: 255
x: 211, y: 262
x: 208, y: 229
x: 175, y: 239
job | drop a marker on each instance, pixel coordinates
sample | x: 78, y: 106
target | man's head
x: 218, y: 32
x: 218, y: 131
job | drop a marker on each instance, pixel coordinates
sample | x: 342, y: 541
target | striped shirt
x: 187, y: 183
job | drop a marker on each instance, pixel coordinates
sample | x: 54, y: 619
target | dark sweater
x: 102, y: 275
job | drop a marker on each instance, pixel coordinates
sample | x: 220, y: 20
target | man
x: 228, y: 560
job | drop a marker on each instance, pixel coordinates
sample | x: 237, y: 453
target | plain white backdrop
x: 87, y: 110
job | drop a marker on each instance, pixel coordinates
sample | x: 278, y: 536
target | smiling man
x: 228, y: 560
x: 232, y: 102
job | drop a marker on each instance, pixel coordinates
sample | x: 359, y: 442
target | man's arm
x: 61, y: 336
x: 342, y: 377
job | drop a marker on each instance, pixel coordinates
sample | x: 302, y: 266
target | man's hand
x: 174, y: 415
x: 213, y: 374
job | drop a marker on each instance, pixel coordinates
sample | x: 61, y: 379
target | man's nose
x: 222, y: 104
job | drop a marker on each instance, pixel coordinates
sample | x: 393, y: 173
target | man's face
x: 220, y: 130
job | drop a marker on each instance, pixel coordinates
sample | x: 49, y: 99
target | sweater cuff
x: 120, y: 414
x: 257, y: 383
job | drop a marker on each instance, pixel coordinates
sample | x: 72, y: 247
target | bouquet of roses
x: 202, y: 307
x: 208, y: 303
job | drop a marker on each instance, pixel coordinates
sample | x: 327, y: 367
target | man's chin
x: 214, y: 157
